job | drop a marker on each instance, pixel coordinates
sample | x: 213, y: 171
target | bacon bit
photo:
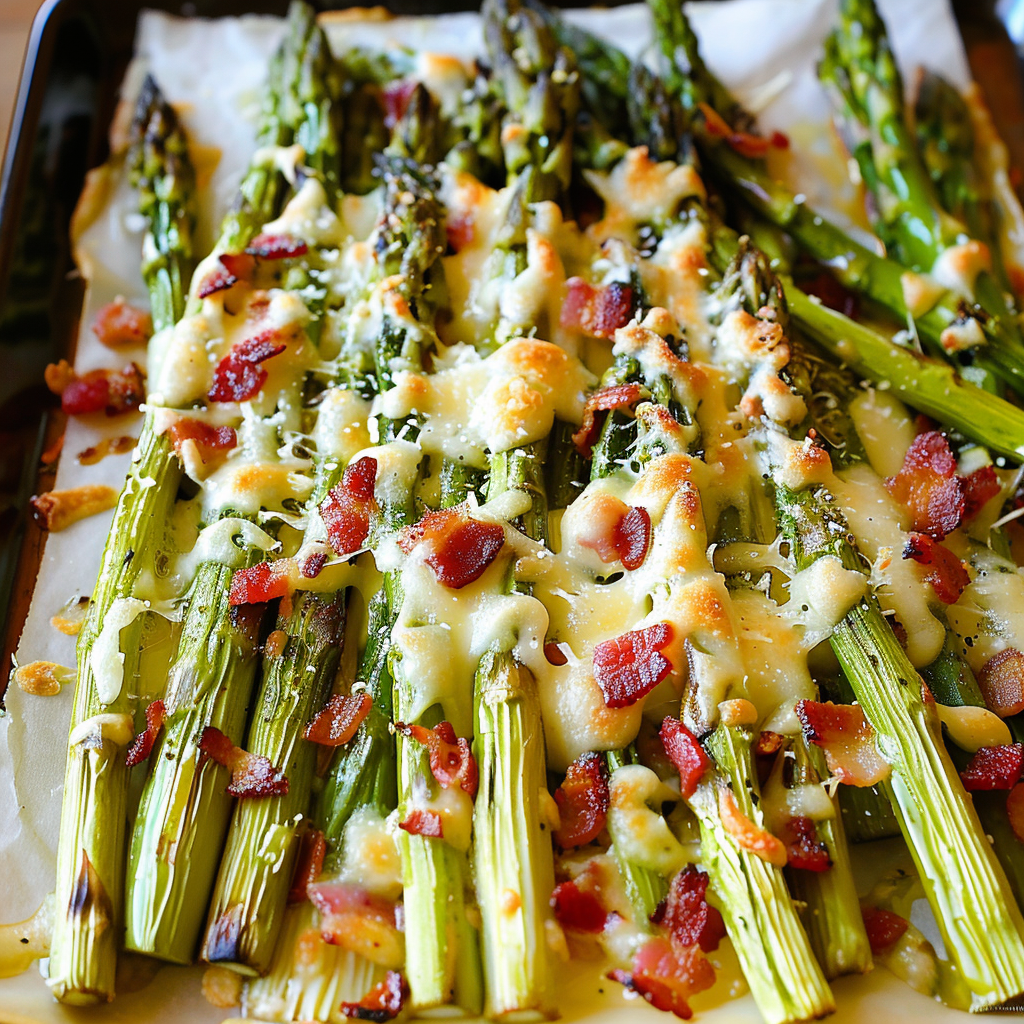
x: 57, y: 510
x: 754, y: 147
x: 553, y: 652
x: 686, y: 913
x: 396, y: 98
x: 629, y: 666
x: 460, y: 230
x: 582, y: 800
x: 750, y: 837
x: 1015, y: 809
x: 842, y: 731
x: 117, y: 324
x: 423, y: 823
x: 833, y: 294
x: 883, y: 927
x: 308, y: 864
x: 779, y: 140
x: 451, y: 759
x: 382, y: 1003
x: 258, y: 583
x: 42, y: 678
x: 109, y: 446
x: 598, y: 312
x: 945, y: 572
x: 252, y: 775
x: 353, y: 917
x: 1002, y: 682
x: 633, y: 537
x: 206, y: 437
x: 928, y: 487
x: 994, y: 768
x: 142, y: 745
x: 312, y: 566
x: 339, y: 719
x: 463, y: 547
x: 667, y: 975
x: 347, y: 508
x: 578, y: 910
x: 607, y: 399
x: 980, y: 487
x: 276, y: 247
x: 686, y: 753
x: 769, y: 743
x: 234, y: 267
x: 113, y: 391
x: 803, y: 847
x: 239, y: 375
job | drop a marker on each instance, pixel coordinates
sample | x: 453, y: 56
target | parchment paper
x: 765, y: 50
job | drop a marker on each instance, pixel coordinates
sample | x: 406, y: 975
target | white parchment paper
x: 765, y: 50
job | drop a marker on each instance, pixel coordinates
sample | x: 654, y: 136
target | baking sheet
x: 764, y: 49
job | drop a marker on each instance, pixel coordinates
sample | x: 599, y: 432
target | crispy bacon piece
x: 842, y: 731
x: 461, y: 547
x: 207, y: 438
x: 994, y: 768
x: 239, y: 375
x: 1002, y: 682
x: 1015, y: 810
x: 577, y: 909
x: 234, y: 267
x: 276, y: 247
x: 686, y: 753
x: 313, y: 565
x: 112, y: 391
x: 382, y: 1003
x: 554, y: 653
x: 832, y: 294
x: 420, y: 822
x: 883, y: 927
x: 57, y: 510
x: 336, y: 723
x: 599, y: 312
x: 142, y: 745
x: 629, y: 666
x: 348, y: 506
x: 582, y: 801
x: 117, y: 324
x: 754, y: 147
x: 460, y: 230
x: 945, y: 572
x: 252, y: 775
x: 308, y: 864
x: 632, y: 537
x: 353, y: 917
x: 258, y: 583
x: 396, y: 98
x: 686, y: 913
x: 667, y: 975
x: 451, y: 759
x: 749, y: 836
x: 803, y: 847
x: 615, y: 396
x: 769, y: 743
x: 928, y: 487
x: 980, y: 487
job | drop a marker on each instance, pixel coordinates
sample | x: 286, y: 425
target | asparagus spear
x: 90, y: 858
x: 981, y: 925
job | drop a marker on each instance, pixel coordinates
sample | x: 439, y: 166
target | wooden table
x: 15, y: 21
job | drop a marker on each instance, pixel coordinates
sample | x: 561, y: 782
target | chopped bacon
x: 234, y: 267
x: 749, y: 835
x: 667, y: 975
x: 451, y: 759
x: 633, y: 537
x: 239, y: 375
x: 599, y: 312
x: 336, y: 723
x: 396, y: 98
x: 803, y: 847
x: 420, y: 822
x: 313, y: 565
x: 582, y: 801
x: 112, y: 391
x: 308, y: 864
x: 554, y: 653
x: 276, y: 247
x: 142, y: 745
x: 382, y: 1003
x: 1015, y: 810
x: 615, y: 396
x: 754, y: 147
x: 980, y: 487
x: 207, y: 438
x: 629, y: 666
x: 117, y: 323
x: 833, y: 294
x: 686, y: 913
x: 577, y: 909
x: 883, y: 927
x: 779, y: 140
x: 461, y: 230
x: 258, y: 583
x: 252, y: 775
x: 928, y: 487
x: 617, y: 532
x: 347, y: 508
x: 945, y: 572
x: 842, y: 731
x: 994, y: 767
x: 1002, y: 682
x: 686, y: 753
x: 769, y: 743
x: 355, y: 918
x: 462, y: 547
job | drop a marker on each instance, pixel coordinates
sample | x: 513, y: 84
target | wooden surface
x: 15, y: 21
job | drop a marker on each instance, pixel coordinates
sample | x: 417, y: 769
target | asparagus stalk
x: 980, y: 923
x: 90, y: 857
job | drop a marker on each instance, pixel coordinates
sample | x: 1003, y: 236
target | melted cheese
x: 885, y: 428
x: 957, y: 268
x: 639, y: 834
x: 370, y: 855
x: 105, y: 658
x: 341, y: 425
x: 309, y: 216
x: 108, y: 727
x: 972, y: 728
